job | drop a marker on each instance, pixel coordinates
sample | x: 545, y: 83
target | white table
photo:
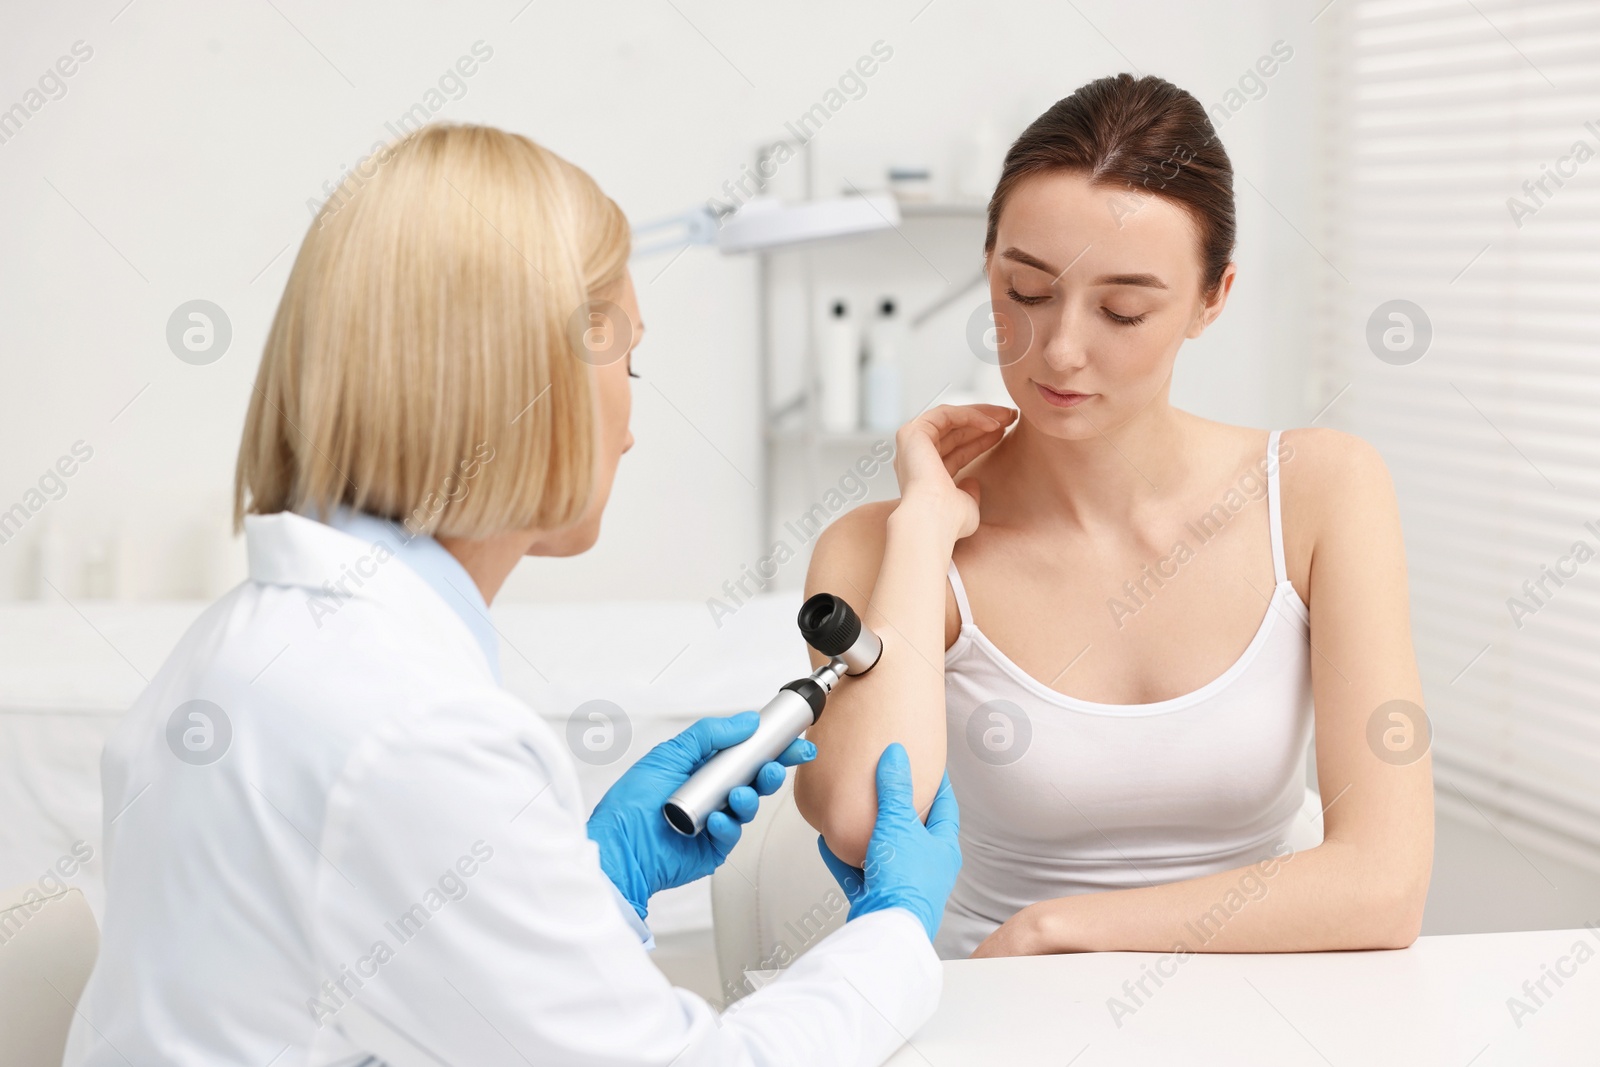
x: 1440, y: 1003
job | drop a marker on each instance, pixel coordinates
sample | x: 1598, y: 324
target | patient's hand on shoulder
x: 933, y: 447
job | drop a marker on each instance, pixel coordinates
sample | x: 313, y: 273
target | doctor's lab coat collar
x: 289, y: 549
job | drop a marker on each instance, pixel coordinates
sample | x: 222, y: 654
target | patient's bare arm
x: 888, y: 561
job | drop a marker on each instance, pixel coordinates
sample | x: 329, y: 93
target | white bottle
x: 880, y: 375
x: 979, y: 160
x: 840, y: 367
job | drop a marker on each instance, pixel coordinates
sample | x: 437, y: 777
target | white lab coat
x: 389, y: 835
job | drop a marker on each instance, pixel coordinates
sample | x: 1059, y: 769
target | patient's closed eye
x: 1024, y: 299
x: 1027, y: 300
x: 1126, y: 320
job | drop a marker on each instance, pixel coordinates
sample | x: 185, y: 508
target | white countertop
x: 1443, y: 1002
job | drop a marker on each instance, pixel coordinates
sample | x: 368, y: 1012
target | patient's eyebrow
x: 1149, y: 281
x: 1031, y: 260
x: 1144, y: 279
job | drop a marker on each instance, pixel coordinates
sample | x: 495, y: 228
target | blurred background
x: 1419, y: 264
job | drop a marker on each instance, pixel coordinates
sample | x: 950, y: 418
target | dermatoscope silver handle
x: 832, y: 628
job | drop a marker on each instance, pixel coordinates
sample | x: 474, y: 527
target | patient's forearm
x: 901, y: 699
x: 1320, y: 899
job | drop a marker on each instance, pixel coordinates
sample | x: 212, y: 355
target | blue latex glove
x: 639, y: 852
x: 908, y: 865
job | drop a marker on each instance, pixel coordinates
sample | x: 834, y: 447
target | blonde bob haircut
x: 421, y: 365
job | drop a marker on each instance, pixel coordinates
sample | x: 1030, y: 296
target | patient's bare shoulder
x: 1326, y: 476
x: 1317, y: 463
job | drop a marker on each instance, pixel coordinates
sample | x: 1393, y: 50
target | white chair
x: 47, y: 949
x: 774, y: 897
x: 1306, y: 830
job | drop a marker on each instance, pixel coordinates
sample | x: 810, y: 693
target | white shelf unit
x: 792, y: 425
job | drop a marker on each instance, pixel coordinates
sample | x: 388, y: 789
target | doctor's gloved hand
x: 908, y: 865
x: 639, y: 852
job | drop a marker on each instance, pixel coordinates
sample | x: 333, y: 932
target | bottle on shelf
x: 840, y: 369
x: 980, y: 157
x: 880, y: 374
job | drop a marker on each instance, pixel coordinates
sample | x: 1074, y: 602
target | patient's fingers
x: 960, y: 457
x: 962, y: 433
x: 967, y: 433
x: 947, y: 419
x: 948, y: 416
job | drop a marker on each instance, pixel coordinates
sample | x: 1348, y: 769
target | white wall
x: 179, y: 162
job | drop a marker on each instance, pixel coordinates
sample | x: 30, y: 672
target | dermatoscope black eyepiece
x: 828, y: 624
x: 832, y: 627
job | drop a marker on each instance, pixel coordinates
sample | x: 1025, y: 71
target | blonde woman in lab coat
x: 330, y: 833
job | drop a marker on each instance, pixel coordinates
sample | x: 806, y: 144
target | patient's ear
x: 1211, y: 309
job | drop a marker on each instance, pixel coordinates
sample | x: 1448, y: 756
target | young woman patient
x: 1110, y: 623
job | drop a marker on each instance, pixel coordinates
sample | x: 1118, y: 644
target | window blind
x: 1461, y: 173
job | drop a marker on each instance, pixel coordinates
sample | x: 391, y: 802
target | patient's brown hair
x: 1145, y: 134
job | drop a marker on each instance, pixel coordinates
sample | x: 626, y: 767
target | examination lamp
x: 763, y: 222
x: 830, y: 626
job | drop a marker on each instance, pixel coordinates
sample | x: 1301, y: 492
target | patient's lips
x: 1062, y: 398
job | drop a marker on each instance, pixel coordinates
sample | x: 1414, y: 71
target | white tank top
x: 1062, y: 796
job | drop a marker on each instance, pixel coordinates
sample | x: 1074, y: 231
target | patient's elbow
x: 1404, y: 919
x: 1393, y: 931
x: 1395, y: 908
x: 845, y: 827
x: 847, y: 846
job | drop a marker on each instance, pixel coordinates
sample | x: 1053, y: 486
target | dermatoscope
x: 830, y: 626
